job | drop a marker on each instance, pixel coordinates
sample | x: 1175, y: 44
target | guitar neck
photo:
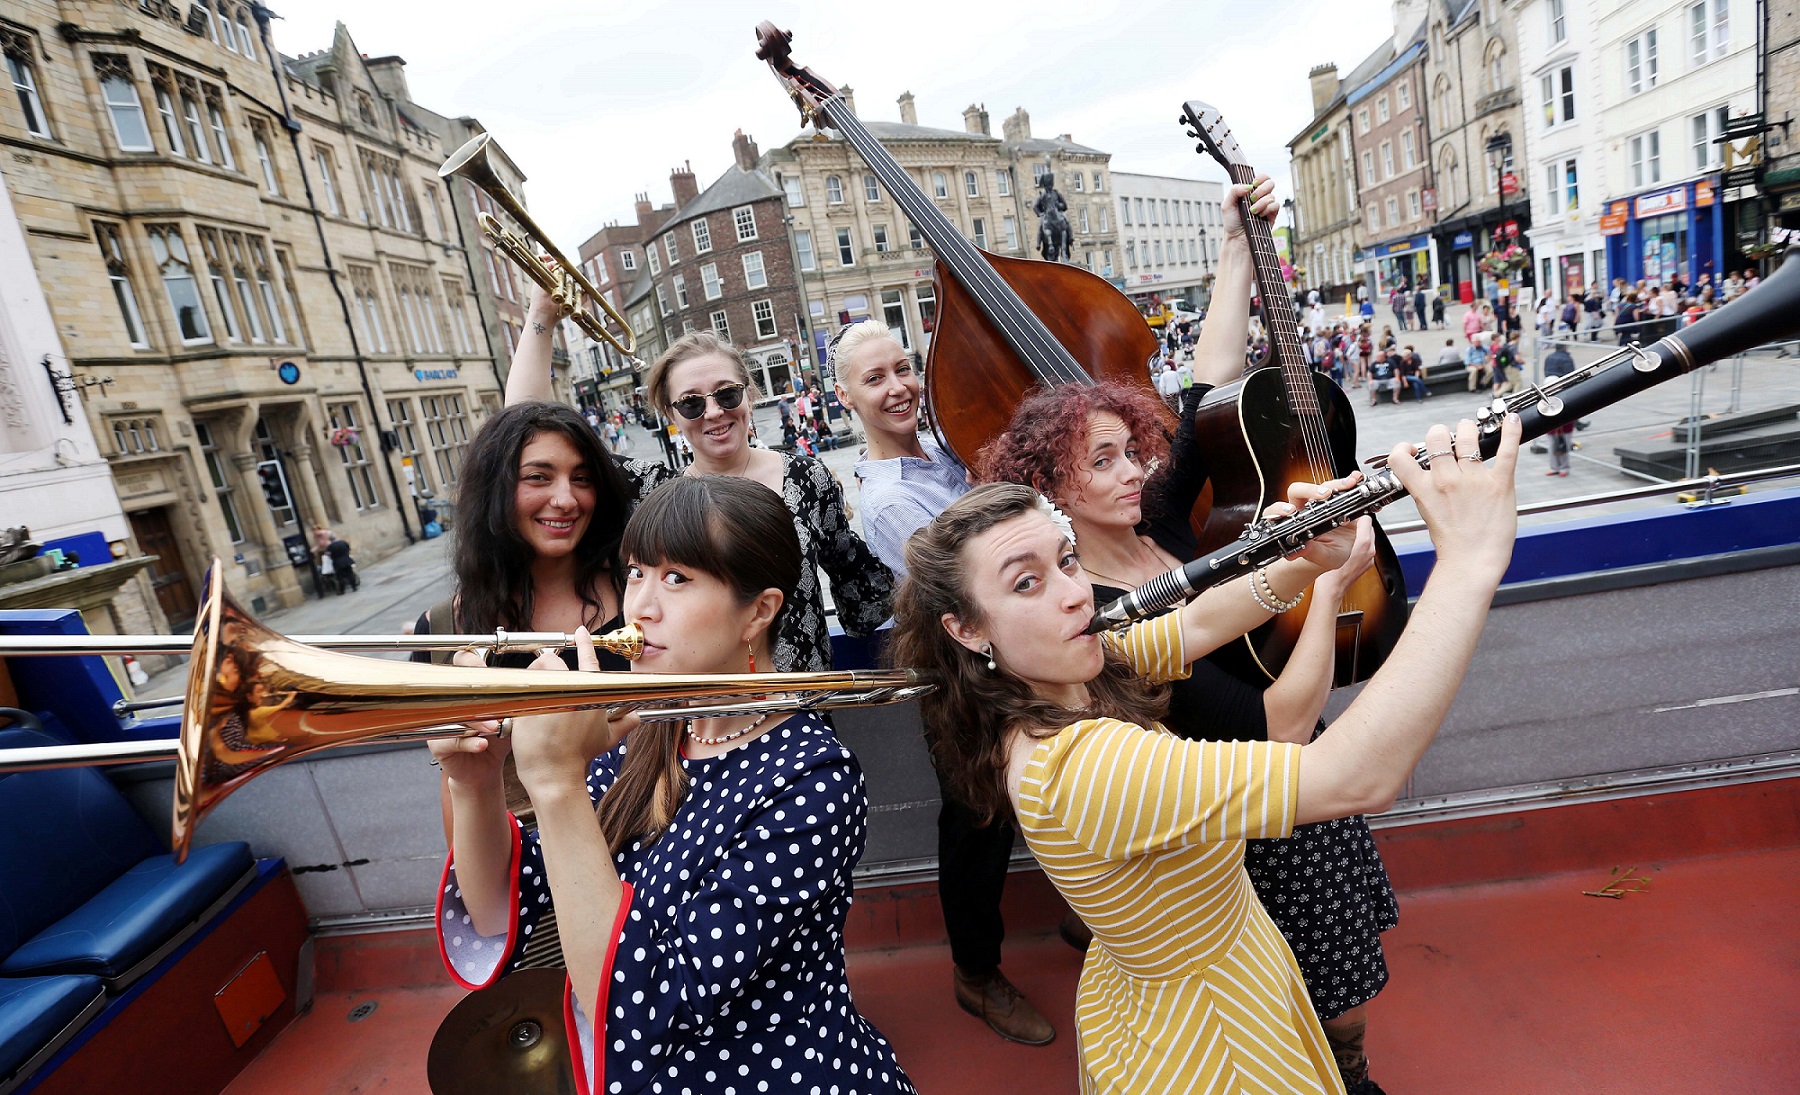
x: 1284, y: 334
x: 1046, y: 357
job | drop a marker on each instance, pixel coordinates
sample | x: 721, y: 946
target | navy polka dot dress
x: 727, y: 974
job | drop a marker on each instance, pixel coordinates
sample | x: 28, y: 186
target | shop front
x: 1461, y: 244
x: 1661, y: 233
x: 1405, y: 260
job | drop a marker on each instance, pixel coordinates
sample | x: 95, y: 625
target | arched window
x: 834, y: 190
x: 1496, y: 77
x: 1445, y: 103
x: 1449, y: 187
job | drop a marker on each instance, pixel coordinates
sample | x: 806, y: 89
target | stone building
x: 1781, y: 109
x: 1390, y: 141
x: 614, y: 261
x: 1169, y: 229
x: 1474, y: 112
x: 858, y: 255
x: 1327, y: 208
x: 724, y: 263
x: 259, y: 257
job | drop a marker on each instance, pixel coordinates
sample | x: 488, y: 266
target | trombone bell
x: 566, y: 285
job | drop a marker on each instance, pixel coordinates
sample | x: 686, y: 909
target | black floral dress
x: 1325, y: 886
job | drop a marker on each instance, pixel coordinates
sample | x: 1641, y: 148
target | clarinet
x: 1770, y: 313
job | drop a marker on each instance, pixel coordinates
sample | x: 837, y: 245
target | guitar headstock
x: 808, y: 90
x: 1207, y: 125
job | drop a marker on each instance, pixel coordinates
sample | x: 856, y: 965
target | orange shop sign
x: 1669, y: 201
x: 1703, y: 193
x: 1612, y: 224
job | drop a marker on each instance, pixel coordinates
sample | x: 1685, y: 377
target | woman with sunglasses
x: 699, y: 870
x: 702, y: 384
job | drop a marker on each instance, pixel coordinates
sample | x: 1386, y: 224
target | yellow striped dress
x: 1188, y: 986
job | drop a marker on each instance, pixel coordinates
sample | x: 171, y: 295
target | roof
x: 1051, y: 144
x: 1360, y: 75
x: 1407, y: 56
x: 900, y: 131
x: 734, y: 188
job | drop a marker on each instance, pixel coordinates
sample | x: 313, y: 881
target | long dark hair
x: 974, y: 709
x: 493, y: 562
x: 738, y: 531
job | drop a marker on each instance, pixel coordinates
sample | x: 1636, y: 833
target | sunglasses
x: 728, y: 398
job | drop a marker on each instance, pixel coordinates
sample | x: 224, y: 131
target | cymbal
x: 509, y: 1037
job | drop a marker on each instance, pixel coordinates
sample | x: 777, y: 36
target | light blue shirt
x: 902, y: 494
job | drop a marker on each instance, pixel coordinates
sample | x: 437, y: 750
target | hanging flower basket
x: 345, y: 436
x: 1505, y: 261
x: 1761, y: 251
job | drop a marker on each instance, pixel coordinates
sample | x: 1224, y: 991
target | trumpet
x: 256, y: 699
x: 565, y: 283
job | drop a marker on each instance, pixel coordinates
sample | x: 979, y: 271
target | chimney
x: 1324, y: 85
x: 644, y: 208
x: 743, y: 149
x: 681, y: 181
x: 1017, y: 127
x: 908, y: 113
x: 971, y: 119
x: 985, y: 131
x: 848, y: 94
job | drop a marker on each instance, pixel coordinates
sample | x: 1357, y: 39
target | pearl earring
x: 988, y: 649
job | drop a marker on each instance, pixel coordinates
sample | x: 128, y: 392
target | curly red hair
x: 1045, y: 444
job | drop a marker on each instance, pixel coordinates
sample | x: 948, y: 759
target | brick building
x: 1390, y: 143
x: 613, y: 260
x: 723, y: 263
x: 258, y: 257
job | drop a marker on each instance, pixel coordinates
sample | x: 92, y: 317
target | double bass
x: 1005, y: 326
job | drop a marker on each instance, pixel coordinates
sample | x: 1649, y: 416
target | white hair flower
x: 1057, y: 517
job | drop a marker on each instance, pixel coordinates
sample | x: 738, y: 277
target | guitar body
x: 975, y: 379
x: 1254, y: 450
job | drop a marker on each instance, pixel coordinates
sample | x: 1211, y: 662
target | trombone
x: 256, y: 699
x: 565, y: 283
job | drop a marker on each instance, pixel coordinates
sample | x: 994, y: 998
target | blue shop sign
x: 288, y: 372
x: 434, y: 374
x: 1403, y: 247
x: 1463, y: 239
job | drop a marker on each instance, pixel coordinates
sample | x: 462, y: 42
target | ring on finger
x: 1440, y: 452
x: 1475, y: 456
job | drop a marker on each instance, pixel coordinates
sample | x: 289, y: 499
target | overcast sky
x: 597, y: 100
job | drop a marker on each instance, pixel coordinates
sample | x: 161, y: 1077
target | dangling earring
x: 752, y: 651
x: 988, y: 649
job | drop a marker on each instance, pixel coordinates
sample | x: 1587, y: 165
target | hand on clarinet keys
x: 1330, y: 549
x: 1470, y: 506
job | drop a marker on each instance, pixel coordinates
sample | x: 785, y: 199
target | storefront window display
x: 1665, y: 246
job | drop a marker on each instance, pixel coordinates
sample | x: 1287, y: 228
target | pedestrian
x: 1419, y: 305
x: 1185, y: 374
x: 1437, y: 311
x: 1471, y: 324
x: 1506, y: 367
x: 1475, y: 360
x: 1168, y: 384
x: 1559, y: 363
x: 1593, y: 308
x: 1412, y: 370
x: 1571, y: 315
x: 343, y: 567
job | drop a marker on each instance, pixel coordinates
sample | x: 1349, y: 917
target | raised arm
x: 528, y: 375
x: 1219, y: 351
x: 1471, y: 510
x: 1293, y: 703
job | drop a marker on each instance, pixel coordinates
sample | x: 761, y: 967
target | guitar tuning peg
x: 1199, y: 148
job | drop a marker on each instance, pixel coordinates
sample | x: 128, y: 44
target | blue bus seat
x: 38, y: 1015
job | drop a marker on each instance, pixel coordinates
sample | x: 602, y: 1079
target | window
x: 447, y: 427
x: 709, y: 281
x: 871, y: 189
x: 1009, y: 230
x: 165, y: 109
x: 1368, y: 165
x: 1640, y: 62
x: 670, y: 246
x: 218, y: 276
x: 1159, y: 252
x: 743, y: 218
x: 1003, y: 183
x: 230, y: 37
x: 681, y: 296
x: 1084, y: 221
x: 764, y: 313
x: 721, y: 325
x: 1139, y: 203
x: 1709, y: 34
x: 368, y: 307
x: 834, y: 190
x: 1646, y: 158
x: 972, y: 184
x: 113, y: 253
x: 980, y: 232
x: 1387, y: 159
x: 244, y: 36
x: 122, y: 103
x: 1409, y: 155
x: 627, y: 259
x: 1166, y: 219
x: 1403, y: 94
x: 1496, y: 75
x: 354, y: 455
x: 437, y: 211
x: 1125, y: 212
x: 1075, y: 181
x: 913, y: 238
x: 1393, y: 211
x: 1105, y: 218
x: 260, y: 137
x: 215, y: 115
x: 196, y: 129
x: 1558, y: 92
x: 796, y: 193
x: 1571, y: 187
x: 662, y: 302
x: 1559, y: 24
x: 803, y: 244
x: 1707, y: 129
x: 846, y: 248
x: 1381, y: 110
x: 754, y: 277
x: 925, y: 296
x: 1362, y: 120
x: 222, y: 486
x: 205, y: 8
x: 940, y: 185
x: 881, y: 239
x: 1131, y: 253
x: 653, y: 254
x: 1412, y: 205
x: 1374, y: 217
x: 400, y: 414
x: 459, y: 317
x: 177, y: 272
x: 24, y: 79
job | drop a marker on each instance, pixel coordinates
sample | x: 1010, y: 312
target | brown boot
x: 994, y: 999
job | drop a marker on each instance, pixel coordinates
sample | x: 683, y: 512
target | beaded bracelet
x: 1265, y: 594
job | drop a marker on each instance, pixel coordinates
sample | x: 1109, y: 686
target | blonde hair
x: 854, y: 338
x: 686, y: 348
